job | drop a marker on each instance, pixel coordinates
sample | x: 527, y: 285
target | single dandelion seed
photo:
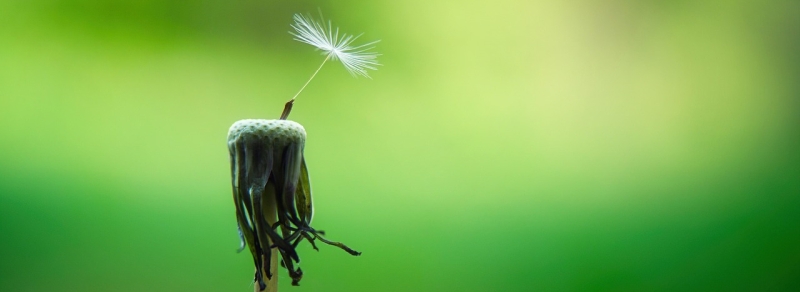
x: 356, y: 59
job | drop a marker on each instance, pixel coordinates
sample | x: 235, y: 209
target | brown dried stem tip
x: 287, y: 109
x: 267, y: 162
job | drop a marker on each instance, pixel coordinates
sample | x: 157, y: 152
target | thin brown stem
x: 272, y: 217
x: 287, y: 109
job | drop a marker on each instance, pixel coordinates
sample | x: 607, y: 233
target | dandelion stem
x: 271, y: 216
x: 312, y: 77
x: 288, y: 107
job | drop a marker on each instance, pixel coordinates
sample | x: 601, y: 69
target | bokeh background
x: 502, y: 146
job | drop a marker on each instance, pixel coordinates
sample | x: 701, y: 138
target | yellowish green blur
x: 502, y: 146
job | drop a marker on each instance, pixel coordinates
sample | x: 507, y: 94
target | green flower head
x: 271, y: 191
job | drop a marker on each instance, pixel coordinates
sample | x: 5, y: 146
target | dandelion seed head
x: 356, y: 59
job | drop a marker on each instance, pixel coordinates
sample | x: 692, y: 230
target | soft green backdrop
x: 503, y: 146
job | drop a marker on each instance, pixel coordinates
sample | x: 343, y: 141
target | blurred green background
x: 503, y: 146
